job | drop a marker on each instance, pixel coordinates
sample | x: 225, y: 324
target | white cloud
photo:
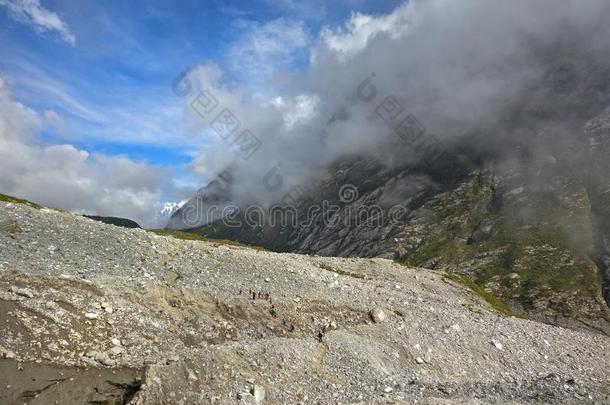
x: 31, y: 12
x: 63, y: 176
x: 55, y: 120
x: 310, y: 10
x: 149, y: 115
x: 452, y: 64
x: 355, y: 35
x: 50, y: 89
x: 264, y: 49
x: 296, y: 110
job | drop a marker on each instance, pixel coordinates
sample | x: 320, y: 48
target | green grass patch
x: 196, y: 237
x: 427, y: 250
x: 15, y: 200
x: 494, y: 302
x: 339, y: 271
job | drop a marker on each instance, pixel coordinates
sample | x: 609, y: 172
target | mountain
x: 520, y: 205
x: 169, y: 208
x: 101, y: 314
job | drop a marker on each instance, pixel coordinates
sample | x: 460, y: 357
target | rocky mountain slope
x: 93, y: 313
x: 519, y: 205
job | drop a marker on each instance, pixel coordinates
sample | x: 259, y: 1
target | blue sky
x: 93, y: 81
x: 111, y: 85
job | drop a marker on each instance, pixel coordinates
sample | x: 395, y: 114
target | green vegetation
x: 193, y: 236
x: 458, y: 215
x: 8, y: 198
x: 339, y: 271
x: 116, y: 221
x: 536, y: 250
x: 178, y: 234
x: 494, y: 302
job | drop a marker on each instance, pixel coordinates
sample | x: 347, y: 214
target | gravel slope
x: 167, y: 318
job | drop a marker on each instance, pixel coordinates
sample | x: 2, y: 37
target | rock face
x: 520, y: 205
x: 184, y: 328
x: 597, y: 132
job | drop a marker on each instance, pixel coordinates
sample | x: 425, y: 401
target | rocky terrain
x: 94, y: 313
x: 519, y: 205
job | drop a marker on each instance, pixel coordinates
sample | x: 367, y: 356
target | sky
x: 93, y: 83
x: 116, y: 107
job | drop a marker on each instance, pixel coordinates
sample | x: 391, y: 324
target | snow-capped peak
x: 169, y: 208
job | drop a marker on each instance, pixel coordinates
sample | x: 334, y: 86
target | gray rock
x: 259, y: 394
x: 246, y: 398
x: 377, y: 315
x: 116, y: 351
x: 9, y: 354
x: 191, y: 375
x: 23, y: 292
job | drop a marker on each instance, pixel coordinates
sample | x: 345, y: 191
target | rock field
x: 94, y: 313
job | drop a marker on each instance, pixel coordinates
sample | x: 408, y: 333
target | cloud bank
x: 65, y: 177
x: 455, y: 65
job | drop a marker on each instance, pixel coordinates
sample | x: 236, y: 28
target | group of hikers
x: 263, y: 295
x: 257, y: 295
